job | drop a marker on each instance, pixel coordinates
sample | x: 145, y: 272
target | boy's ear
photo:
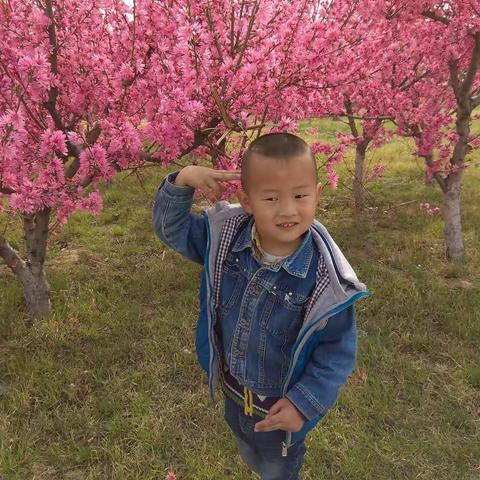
x: 244, y: 201
x: 318, y: 192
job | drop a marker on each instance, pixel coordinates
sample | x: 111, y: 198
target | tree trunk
x: 30, y: 272
x: 429, y: 161
x: 452, y: 218
x: 453, y: 185
x: 36, y: 290
x: 358, y: 178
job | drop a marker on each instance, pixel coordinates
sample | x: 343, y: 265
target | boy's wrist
x: 174, y: 192
x: 181, y: 179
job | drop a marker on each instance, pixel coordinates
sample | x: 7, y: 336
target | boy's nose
x: 287, y: 209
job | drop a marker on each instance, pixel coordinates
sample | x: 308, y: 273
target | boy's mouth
x: 287, y: 225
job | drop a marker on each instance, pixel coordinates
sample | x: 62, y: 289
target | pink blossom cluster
x: 429, y: 209
x: 94, y: 87
x: 376, y: 172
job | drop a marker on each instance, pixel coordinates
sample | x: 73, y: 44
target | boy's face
x: 282, y: 196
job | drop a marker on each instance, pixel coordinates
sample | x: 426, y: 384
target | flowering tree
x: 84, y: 86
x: 57, y: 131
x: 72, y: 113
x: 415, y: 63
x: 446, y: 35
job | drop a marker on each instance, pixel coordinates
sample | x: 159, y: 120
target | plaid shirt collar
x: 297, y: 263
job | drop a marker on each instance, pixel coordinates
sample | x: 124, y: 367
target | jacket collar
x: 296, y: 264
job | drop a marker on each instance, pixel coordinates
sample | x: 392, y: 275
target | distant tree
x: 445, y: 36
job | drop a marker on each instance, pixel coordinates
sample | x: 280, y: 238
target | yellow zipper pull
x: 247, y: 401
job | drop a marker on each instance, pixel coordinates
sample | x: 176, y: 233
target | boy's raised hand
x: 207, y: 179
x: 283, y: 415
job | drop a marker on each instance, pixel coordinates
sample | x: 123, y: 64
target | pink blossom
x: 428, y: 209
x: 53, y: 141
x: 318, y: 147
x: 376, y: 172
x: 332, y: 178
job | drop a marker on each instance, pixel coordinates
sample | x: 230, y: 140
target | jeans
x: 262, y: 451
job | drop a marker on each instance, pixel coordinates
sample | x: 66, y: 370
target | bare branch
x: 412, y: 82
x: 75, y: 150
x: 11, y: 256
x: 251, y: 23
x: 6, y: 190
x: 436, y: 17
x: 51, y: 103
x: 350, y: 13
x: 351, y: 120
x: 475, y: 101
x: 437, y: 176
x: 454, y: 80
x: 472, y: 68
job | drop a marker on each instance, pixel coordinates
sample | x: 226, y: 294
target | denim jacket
x: 261, y: 310
x: 298, y: 314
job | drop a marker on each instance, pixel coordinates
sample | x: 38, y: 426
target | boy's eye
x: 271, y: 199
x: 301, y: 195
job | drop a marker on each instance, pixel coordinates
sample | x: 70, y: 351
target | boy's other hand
x: 283, y: 415
x: 207, y: 179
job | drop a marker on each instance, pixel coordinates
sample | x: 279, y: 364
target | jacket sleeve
x: 174, y: 222
x: 329, y: 366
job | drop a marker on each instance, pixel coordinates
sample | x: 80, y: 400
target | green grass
x: 108, y: 387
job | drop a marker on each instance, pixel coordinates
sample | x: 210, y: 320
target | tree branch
x: 75, y: 150
x: 6, y: 190
x: 251, y: 23
x: 353, y: 8
x: 51, y: 103
x: 412, y: 82
x: 199, y: 138
x: 417, y: 133
x: 436, y: 17
x: 11, y: 256
x: 454, y: 80
x: 351, y: 120
x: 475, y: 101
x: 472, y: 68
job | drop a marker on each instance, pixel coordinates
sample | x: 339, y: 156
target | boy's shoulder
x: 225, y: 209
x: 222, y: 210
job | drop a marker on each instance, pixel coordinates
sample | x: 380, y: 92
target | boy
x: 277, y: 323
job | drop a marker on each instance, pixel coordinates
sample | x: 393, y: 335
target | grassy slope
x: 108, y: 387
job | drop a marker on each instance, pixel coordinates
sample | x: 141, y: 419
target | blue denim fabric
x: 262, y: 451
x: 261, y: 312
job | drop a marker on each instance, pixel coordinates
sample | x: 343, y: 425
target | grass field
x: 108, y: 387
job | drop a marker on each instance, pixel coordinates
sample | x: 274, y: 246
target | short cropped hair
x: 279, y: 145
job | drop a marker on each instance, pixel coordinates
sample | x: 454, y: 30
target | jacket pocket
x: 284, y: 310
x: 232, y: 283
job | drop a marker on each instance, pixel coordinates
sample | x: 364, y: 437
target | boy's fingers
x: 275, y: 408
x: 227, y: 175
x: 277, y: 418
x: 268, y: 424
x: 265, y: 426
